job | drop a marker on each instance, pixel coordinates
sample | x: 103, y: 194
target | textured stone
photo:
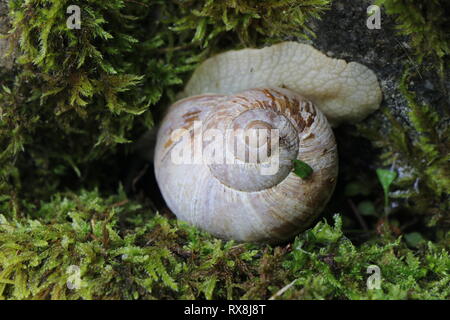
x: 5, y: 62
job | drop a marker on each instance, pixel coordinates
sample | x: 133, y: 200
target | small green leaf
x: 356, y: 188
x: 200, y: 31
x: 386, y: 177
x: 366, y: 208
x: 324, y: 233
x: 6, y: 89
x: 414, y: 239
x: 41, y: 243
x: 208, y: 287
x: 302, y: 169
x: 352, y: 189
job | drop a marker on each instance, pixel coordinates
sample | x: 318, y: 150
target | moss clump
x: 77, y: 97
x: 427, y: 23
x: 250, y: 19
x: 85, y: 246
x: 431, y: 144
x: 72, y: 102
x: 419, y: 152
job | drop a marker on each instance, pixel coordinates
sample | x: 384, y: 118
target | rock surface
x: 342, y: 33
x: 5, y: 62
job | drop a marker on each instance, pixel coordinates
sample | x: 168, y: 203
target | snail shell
x: 290, y: 90
x: 237, y: 201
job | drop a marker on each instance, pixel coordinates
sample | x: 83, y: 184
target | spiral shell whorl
x: 258, y: 113
x: 235, y: 201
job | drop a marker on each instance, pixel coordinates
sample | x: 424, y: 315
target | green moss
x: 250, y: 19
x: 431, y: 144
x: 419, y: 150
x: 426, y: 23
x: 120, y: 250
x: 76, y: 98
x: 327, y: 265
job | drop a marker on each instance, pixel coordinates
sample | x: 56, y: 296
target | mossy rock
x: 74, y: 101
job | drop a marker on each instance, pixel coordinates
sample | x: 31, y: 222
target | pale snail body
x: 235, y: 201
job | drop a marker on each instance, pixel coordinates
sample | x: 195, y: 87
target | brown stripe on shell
x: 190, y: 114
x: 281, y: 210
x: 282, y: 104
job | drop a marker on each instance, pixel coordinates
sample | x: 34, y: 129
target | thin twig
x: 410, y: 58
x: 120, y: 203
x: 358, y: 215
x: 139, y: 176
x: 282, y: 290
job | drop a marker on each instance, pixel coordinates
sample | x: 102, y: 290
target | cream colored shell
x: 291, y: 87
x: 344, y: 92
x: 246, y: 206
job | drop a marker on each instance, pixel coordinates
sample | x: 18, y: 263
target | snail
x: 274, y: 105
